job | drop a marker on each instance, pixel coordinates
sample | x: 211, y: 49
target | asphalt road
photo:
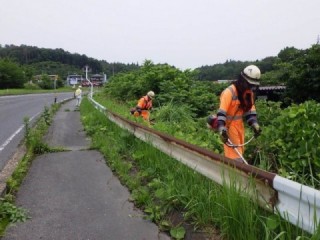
x: 13, y: 109
x: 73, y: 195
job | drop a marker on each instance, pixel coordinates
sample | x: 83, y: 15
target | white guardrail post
x: 295, y: 202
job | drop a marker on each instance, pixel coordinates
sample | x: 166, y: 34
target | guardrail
x: 295, y: 202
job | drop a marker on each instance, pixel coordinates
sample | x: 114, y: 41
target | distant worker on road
x: 236, y: 103
x: 78, y: 95
x: 144, y: 106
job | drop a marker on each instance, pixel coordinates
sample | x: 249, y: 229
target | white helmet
x: 150, y: 94
x: 252, y: 74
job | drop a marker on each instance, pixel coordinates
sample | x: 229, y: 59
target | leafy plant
x: 13, y: 213
x: 178, y: 232
x: 9, y: 213
x: 293, y: 138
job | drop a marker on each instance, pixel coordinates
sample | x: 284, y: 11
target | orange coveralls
x: 232, y: 115
x: 145, y: 105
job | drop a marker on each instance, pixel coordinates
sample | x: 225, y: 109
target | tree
x: 304, y: 81
x: 171, y: 85
x: 46, y: 82
x: 289, y: 54
x: 11, y: 75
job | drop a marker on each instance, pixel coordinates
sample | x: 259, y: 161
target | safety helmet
x: 252, y: 74
x: 150, y: 94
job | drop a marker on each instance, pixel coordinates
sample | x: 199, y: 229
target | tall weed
x: 161, y: 186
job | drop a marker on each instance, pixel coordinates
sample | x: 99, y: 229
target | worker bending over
x: 144, y: 106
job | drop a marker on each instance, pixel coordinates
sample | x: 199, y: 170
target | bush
x: 31, y: 86
x: 293, y: 140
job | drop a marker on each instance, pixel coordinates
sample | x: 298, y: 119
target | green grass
x: 19, y: 91
x: 161, y: 186
x: 171, y: 119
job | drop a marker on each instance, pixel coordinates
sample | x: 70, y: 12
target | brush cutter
x: 230, y: 144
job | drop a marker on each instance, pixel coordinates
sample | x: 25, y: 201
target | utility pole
x: 55, y: 89
x: 86, y: 68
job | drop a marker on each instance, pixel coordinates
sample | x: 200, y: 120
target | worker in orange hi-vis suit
x: 144, y: 106
x: 236, y: 103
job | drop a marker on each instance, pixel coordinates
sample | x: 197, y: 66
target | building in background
x: 97, y: 80
x: 271, y: 93
x: 74, y: 79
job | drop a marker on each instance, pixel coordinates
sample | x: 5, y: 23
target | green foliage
x: 47, y: 116
x: 11, y: 75
x: 46, y: 82
x: 11, y: 212
x: 170, y: 85
x: 155, y: 213
x: 35, y: 61
x: 203, y: 98
x: 178, y: 232
x: 141, y: 196
x: 31, y: 86
x: 34, y: 136
x: 231, y: 69
x: 292, y: 141
x: 304, y: 81
x: 298, y: 69
x: 289, y: 144
x: 29, y: 54
x: 51, y: 67
x: 244, y: 222
x: 110, y: 69
x: 172, y: 113
x: 274, y: 150
x: 135, y: 84
x: 160, y: 190
x: 277, y: 77
x: 289, y: 54
x: 267, y: 111
x: 226, y: 71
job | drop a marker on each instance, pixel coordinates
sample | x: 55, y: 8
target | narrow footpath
x: 73, y: 195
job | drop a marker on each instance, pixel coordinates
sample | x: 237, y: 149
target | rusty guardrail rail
x: 295, y: 202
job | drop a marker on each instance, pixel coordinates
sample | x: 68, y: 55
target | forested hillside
x: 297, y: 69
x: 36, y: 61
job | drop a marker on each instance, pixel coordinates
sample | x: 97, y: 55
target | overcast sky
x: 183, y: 33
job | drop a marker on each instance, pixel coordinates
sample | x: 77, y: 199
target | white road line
x: 15, y: 133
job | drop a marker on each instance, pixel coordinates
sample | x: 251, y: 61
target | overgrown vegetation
x: 290, y: 143
x: 289, y: 148
x: 164, y: 194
